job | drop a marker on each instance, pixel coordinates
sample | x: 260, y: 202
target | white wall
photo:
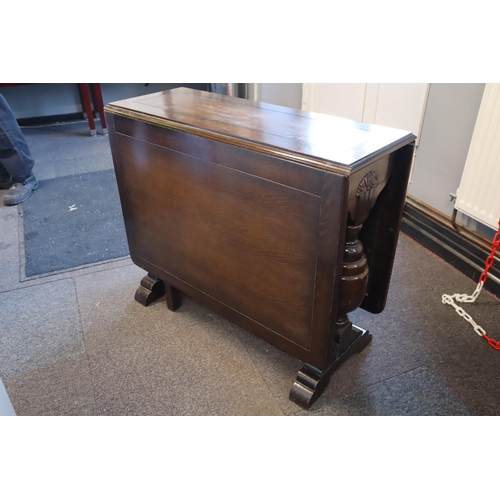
x: 448, y: 123
x: 397, y: 105
x: 282, y: 94
x: 450, y: 116
x: 49, y: 99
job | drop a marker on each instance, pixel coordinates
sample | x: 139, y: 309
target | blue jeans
x: 15, y: 156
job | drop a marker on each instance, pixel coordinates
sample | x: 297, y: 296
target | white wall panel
x: 397, y: 105
x: 339, y: 99
x: 479, y: 193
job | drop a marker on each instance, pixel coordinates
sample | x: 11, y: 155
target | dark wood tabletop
x: 322, y: 141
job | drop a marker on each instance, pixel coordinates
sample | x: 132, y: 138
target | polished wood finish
x: 173, y: 297
x: 257, y: 212
x: 311, y: 382
x: 150, y: 290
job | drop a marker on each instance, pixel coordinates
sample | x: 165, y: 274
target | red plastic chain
x: 493, y: 343
x: 490, y: 260
x: 482, y: 279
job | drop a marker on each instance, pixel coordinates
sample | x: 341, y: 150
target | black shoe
x: 20, y: 191
x: 5, y: 182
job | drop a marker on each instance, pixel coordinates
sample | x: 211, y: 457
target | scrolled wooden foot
x: 309, y: 385
x: 149, y: 290
x: 311, y: 382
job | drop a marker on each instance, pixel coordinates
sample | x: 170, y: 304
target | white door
x: 397, y: 105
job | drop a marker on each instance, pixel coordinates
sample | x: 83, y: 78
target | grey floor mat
x: 72, y: 221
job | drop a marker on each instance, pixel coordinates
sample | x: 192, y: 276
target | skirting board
x: 459, y: 250
x: 37, y: 121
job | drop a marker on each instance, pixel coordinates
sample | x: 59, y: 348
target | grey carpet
x: 73, y: 221
x: 415, y: 393
x: 31, y: 335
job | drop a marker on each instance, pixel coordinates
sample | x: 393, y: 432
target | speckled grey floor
x: 76, y: 343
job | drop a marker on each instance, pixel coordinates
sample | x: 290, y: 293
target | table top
x: 318, y: 140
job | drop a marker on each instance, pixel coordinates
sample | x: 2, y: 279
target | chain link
x: 450, y: 299
x: 464, y: 298
x: 490, y: 260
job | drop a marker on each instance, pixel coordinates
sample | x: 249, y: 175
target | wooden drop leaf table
x: 280, y: 220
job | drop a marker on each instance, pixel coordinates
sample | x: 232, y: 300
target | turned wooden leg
x: 352, y: 290
x: 349, y: 339
x: 149, y: 290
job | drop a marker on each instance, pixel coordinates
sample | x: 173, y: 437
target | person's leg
x: 5, y: 178
x: 15, y: 155
x: 16, y: 162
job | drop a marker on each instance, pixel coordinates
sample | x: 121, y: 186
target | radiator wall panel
x: 479, y: 193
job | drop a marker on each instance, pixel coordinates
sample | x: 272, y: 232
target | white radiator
x: 479, y: 193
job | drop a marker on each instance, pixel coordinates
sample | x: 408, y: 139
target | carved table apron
x: 280, y: 220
